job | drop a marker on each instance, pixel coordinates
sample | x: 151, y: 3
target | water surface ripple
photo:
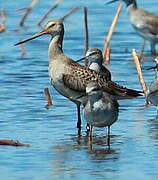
x: 56, y: 152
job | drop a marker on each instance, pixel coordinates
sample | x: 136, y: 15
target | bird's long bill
x: 111, y: 1
x: 84, y: 58
x: 154, y: 67
x: 33, y: 37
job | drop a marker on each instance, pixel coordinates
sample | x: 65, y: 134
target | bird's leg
x: 153, y: 49
x: 91, y: 134
x: 108, y: 138
x: 87, y: 128
x: 79, y: 120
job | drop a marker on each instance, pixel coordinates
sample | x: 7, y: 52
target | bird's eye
x: 96, y: 89
x: 93, y: 53
x: 52, y: 25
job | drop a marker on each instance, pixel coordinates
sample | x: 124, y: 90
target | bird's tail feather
x: 121, y: 92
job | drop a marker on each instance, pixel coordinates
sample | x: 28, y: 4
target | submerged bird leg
x: 79, y: 119
x: 153, y: 49
x: 87, y: 128
x: 91, y: 134
x: 108, y: 138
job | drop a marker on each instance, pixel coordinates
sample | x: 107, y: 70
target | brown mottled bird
x: 70, y: 78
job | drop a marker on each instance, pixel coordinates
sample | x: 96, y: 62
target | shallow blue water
x: 56, y: 152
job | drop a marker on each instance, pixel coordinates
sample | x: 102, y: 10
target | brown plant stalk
x: 86, y: 33
x: 139, y: 72
x: 111, y: 30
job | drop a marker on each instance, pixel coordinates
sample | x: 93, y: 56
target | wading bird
x: 70, y: 78
x: 95, y: 62
x: 101, y: 109
x: 144, y: 22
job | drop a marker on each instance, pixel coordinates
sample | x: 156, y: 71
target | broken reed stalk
x: 28, y: 10
x: 139, y: 72
x: 112, y: 28
x: 2, y: 28
x: 73, y: 10
x: 48, y: 98
x: 56, y: 4
x: 86, y: 33
x: 107, y: 55
x: 3, y: 16
x: 7, y: 142
x: 140, y: 56
x: 23, y: 50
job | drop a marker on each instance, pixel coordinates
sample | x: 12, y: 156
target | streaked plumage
x: 68, y: 77
x: 95, y: 62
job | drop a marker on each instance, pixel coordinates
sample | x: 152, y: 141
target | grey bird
x: 70, y: 78
x: 152, y: 94
x: 101, y: 109
x: 144, y: 22
x: 95, y: 62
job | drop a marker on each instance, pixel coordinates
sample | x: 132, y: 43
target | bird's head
x: 53, y: 27
x: 94, y: 56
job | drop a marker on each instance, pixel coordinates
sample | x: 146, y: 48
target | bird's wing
x: 72, y: 82
x: 152, y: 97
x: 80, y: 76
x: 154, y: 86
x: 106, y: 72
x: 111, y: 99
x: 122, y: 92
x: 149, y: 22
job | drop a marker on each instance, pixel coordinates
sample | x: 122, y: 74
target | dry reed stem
x: 3, y: 16
x: 23, y: 50
x: 73, y: 10
x: 2, y: 28
x: 112, y: 28
x: 86, y: 33
x: 140, y: 56
x: 55, y: 5
x: 48, y: 98
x: 139, y: 72
x: 7, y: 142
x: 107, y: 55
x: 28, y: 10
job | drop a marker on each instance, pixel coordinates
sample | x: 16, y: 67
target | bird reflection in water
x: 153, y: 123
x: 97, y: 150
x: 68, y: 157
